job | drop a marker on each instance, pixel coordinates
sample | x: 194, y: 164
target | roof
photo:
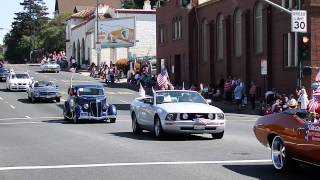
x: 68, y: 6
x: 83, y: 13
x: 81, y: 8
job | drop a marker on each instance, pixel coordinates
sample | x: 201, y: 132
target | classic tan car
x: 292, y: 135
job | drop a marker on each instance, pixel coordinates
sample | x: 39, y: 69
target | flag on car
x: 162, y: 78
x: 142, y: 92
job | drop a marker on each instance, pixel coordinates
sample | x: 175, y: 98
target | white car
x: 50, y: 66
x: 18, y: 81
x: 177, y: 111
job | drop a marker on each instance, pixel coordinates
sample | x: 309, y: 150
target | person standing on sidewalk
x: 252, y: 95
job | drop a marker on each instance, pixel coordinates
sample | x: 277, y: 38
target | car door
x: 149, y: 115
x: 309, y: 142
x: 142, y: 113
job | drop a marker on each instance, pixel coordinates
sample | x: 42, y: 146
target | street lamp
x: 97, y: 42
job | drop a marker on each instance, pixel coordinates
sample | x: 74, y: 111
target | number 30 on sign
x: 299, y: 21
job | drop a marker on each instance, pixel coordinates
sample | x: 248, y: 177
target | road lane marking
x: 25, y: 118
x: 12, y: 107
x: 124, y: 101
x: 17, y: 123
x: 10, y: 168
x: 28, y: 117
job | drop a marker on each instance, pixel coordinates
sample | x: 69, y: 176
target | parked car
x: 177, y: 111
x: 43, y: 90
x: 292, y: 135
x: 4, y: 73
x: 88, y: 102
x: 18, y: 81
x: 50, y: 66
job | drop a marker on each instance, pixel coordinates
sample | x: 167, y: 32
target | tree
x: 24, y: 35
x: 53, y: 34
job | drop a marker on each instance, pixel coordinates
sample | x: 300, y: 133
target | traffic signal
x: 305, y: 47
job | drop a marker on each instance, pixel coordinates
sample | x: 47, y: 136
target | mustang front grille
x: 192, y: 116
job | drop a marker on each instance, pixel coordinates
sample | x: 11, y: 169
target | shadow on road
x: 150, y: 137
x: 26, y: 101
x: 122, y: 107
x: 267, y: 171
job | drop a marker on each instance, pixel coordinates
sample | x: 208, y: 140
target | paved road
x: 35, y: 143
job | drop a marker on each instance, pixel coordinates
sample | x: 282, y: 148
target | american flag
x: 162, y: 78
x: 313, y: 106
x: 142, y: 92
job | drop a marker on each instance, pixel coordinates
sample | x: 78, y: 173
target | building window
x: 180, y: 28
x: 205, y: 40
x: 220, y: 37
x: 238, y: 33
x: 258, y: 28
x: 288, y: 50
x: 161, y: 35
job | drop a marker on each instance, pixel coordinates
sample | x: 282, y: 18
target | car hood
x: 20, y: 80
x: 87, y: 99
x: 189, y: 108
x: 45, y: 89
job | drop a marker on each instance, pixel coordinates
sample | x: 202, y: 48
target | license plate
x: 199, y: 127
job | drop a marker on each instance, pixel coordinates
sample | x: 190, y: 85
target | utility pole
x: 98, y: 42
x: 296, y: 50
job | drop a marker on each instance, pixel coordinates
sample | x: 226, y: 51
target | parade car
x: 292, y: 135
x: 176, y: 112
x: 4, y: 73
x: 18, y: 81
x: 43, y: 90
x: 88, y: 102
x: 50, y: 66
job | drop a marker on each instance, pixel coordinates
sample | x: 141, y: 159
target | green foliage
x: 25, y: 35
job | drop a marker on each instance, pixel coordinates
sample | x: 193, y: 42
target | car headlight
x: 185, y: 116
x: 86, y: 106
x: 171, y: 117
x: 211, y: 116
x: 72, y: 103
x: 220, y: 116
x: 105, y: 107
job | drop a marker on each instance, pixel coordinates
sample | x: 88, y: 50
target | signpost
x: 299, y: 21
x: 264, y: 67
x: 98, y: 48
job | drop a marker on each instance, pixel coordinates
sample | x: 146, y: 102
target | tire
x: 33, y: 100
x: 64, y: 115
x: 113, y: 120
x: 217, y: 135
x: 57, y: 100
x: 136, y: 129
x: 158, y: 131
x: 29, y: 98
x: 280, y: 157
x: 75, y: 120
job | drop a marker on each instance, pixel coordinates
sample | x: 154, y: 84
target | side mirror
x: 209, y: 101
x: 148, y: 101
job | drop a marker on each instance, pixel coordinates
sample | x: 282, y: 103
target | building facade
x: 81, y: 35
x: 239, y: 39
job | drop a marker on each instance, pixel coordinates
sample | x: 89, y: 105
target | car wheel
x: 217, y: 135
x: 57, y: 100
x: 75, y: 119
x: 29, y: 98
x: 281, y: 160
x: 158, y: 131
x: 33, y: 100
x: 136, y: 129
x: 113, y: 120
x: 65, y: 116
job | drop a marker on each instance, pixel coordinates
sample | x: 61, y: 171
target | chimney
x: 147, y: 5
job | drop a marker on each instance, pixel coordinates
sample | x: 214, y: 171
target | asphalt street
x: 36, y: 143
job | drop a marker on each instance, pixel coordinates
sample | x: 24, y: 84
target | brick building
x: 211, y: 39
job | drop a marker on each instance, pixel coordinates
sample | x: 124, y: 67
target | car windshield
x: 178, y: 97
x: 44, y: 84
x: 20, y: 76
x: 90, y: 91
x: 52, y: 62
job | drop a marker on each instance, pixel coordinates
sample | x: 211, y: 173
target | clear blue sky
x: 7, y: 10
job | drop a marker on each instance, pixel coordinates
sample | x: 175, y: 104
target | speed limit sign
x: 299, y: 21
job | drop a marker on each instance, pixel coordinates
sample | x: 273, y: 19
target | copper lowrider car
x: 292, y: 135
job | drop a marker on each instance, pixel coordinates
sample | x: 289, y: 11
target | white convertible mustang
x: 176, y: 111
